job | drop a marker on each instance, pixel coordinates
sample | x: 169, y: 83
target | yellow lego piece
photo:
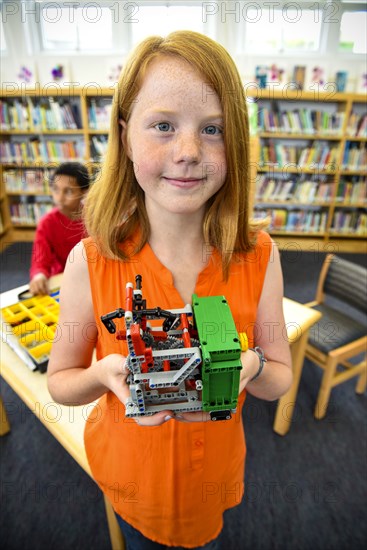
x: 243, y: 341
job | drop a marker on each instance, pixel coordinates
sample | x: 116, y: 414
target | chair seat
x: 334, y: 330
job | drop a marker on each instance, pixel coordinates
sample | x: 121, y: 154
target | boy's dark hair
x: 75, y: 170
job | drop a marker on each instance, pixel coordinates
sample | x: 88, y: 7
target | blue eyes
x: 164, y: 127
x: 213, y: 130
x: 210, y: 130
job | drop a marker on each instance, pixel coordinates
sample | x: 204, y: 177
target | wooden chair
x: 338, y: 337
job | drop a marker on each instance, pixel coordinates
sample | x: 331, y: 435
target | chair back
x: 347, y: 281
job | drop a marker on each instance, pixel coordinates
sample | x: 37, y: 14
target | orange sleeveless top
x: 171, y: 482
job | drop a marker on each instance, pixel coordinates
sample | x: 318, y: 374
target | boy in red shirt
x: 62, y: 228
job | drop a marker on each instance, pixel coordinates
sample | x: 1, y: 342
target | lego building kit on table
x: 29, y: 328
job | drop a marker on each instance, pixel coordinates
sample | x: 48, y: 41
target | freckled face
x: 175, y: 138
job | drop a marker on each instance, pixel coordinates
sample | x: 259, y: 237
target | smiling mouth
x: 184, y: 182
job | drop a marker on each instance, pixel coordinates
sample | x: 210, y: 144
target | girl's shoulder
x: 263, y: 238
x: 91, y: 249
x: 262, y: 245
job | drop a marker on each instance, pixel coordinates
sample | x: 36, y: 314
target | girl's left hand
x: 250, y: 366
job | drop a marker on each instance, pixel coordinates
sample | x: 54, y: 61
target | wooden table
x: 67, y: 424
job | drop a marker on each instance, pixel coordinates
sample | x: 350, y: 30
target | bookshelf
x: 5, y: 224
x: 40, y: 129
x: 309, y: 175
x: 312, y: 164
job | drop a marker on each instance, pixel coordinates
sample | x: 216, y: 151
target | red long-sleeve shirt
x: 56, y: 236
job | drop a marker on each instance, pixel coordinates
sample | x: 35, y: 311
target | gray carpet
x: 305, y: 491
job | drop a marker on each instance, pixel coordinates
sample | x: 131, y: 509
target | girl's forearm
x: 274, y: 381
x: 77, y: 385
x: 80, y: 385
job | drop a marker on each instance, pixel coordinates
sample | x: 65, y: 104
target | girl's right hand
x: 114, y: 374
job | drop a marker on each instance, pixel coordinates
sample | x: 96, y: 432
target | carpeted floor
x: 305, y: 491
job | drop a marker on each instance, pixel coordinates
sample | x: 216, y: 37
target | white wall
x: 23, y: 50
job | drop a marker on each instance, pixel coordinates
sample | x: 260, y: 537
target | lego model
x: 180, y: 359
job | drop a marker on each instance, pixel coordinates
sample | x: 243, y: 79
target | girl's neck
x: 176, y: 233
x: 180, y: 248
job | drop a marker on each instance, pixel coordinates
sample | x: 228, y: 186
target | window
x: 261, y: 28
x: 106, y: 26
x: 76, y: 28
x: 353, y: 28
x: 290, y: 29
x: 3, y: 46
x: 161, y: 20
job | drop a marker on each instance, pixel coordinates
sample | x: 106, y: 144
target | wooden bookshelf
x: 41, y: 128
x: 311, y: 178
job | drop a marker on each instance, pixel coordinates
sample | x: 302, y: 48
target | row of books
x: 309, y: 221
x: 29, y: 181
x: 348, y: 222
x: 98, y: 147
x: 99, y: 114
x: 357, y: 125
x: 39, y: 114
x: 43, y: 151
x: 28, y: 213
x: 323, y: 156
x: 303, y: 191
x: 355, y: 156
x: 308, y: 191
x: 300, y: 121
x: 352, y: 191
